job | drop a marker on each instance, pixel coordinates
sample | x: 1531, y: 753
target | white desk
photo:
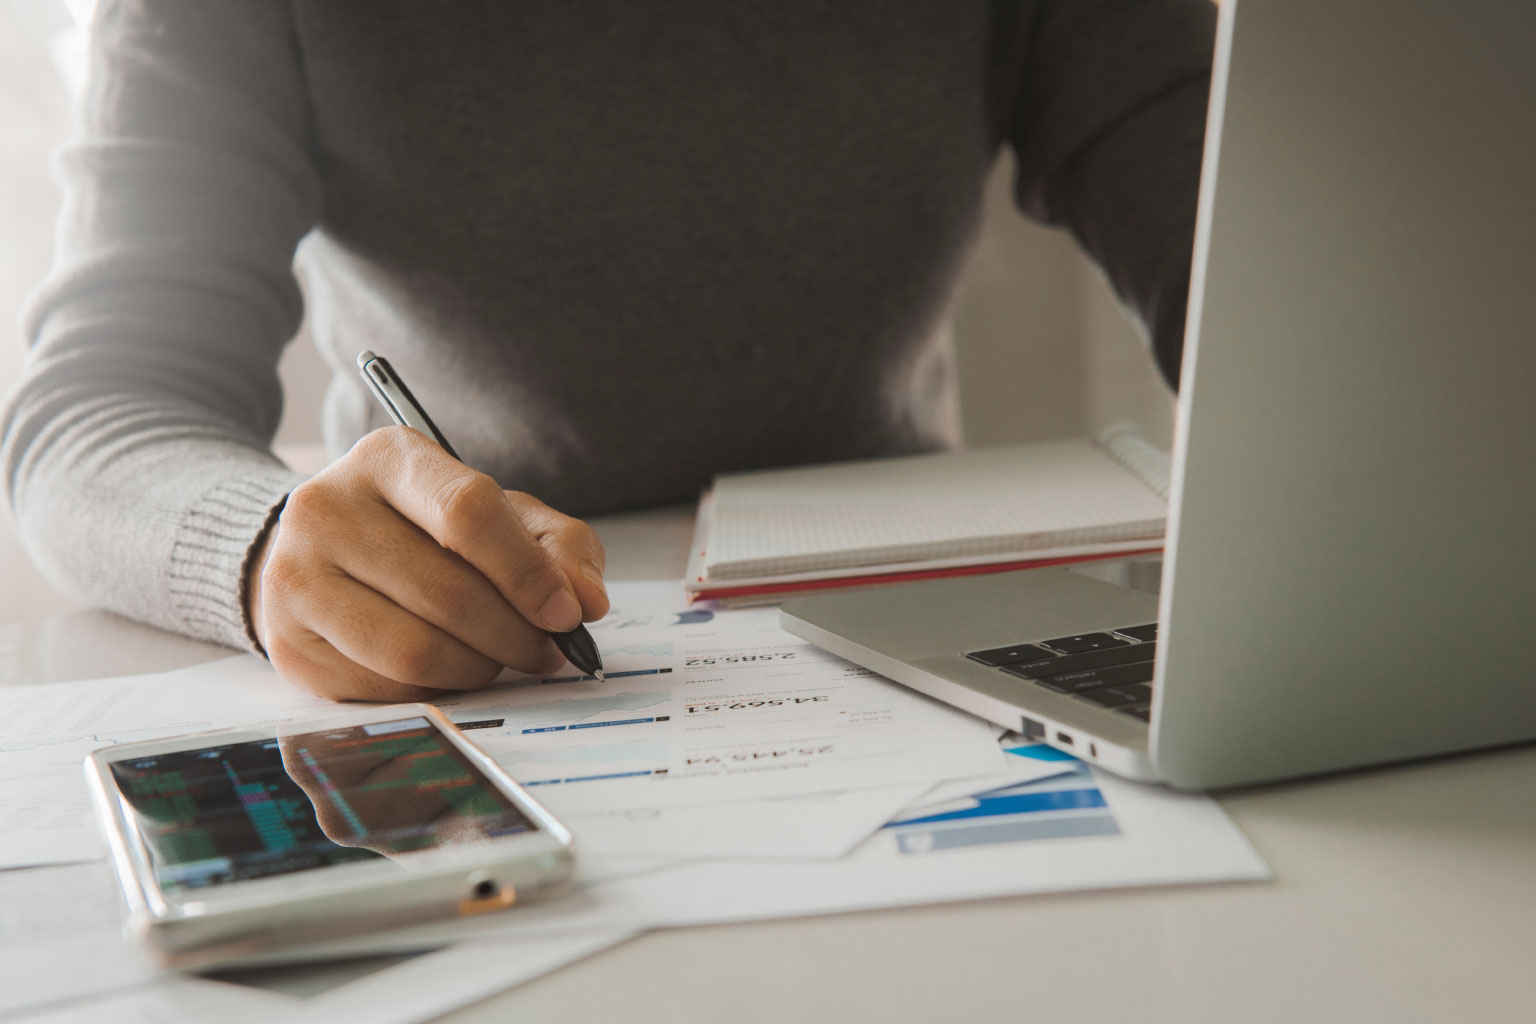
x: 1404, y: 894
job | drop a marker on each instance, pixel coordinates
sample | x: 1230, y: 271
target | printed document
x: 1075, y: 829
x: 702, y: 707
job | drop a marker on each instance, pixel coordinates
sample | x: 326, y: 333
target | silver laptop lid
x: 1353, y: 534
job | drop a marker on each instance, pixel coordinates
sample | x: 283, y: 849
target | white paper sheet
x: 53, y: 921
x: 46, y: 819
x: 174, y: 1000
x: 819, y: 826
x: 420, y: 989
x: 1022, y: 834
x: 728, y: 691
x: 45, y: 815
x: 429, y: 986
x: 231, y: 691
x: 45, y: 812
x: 1020, y: 769
x: 704, y: 706
x: 700, y: 708
x: 1152, y: 836
x: 1079, y: 830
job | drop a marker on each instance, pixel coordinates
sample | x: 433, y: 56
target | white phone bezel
x: 439, y: 882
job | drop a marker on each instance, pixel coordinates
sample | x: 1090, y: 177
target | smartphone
x: 257, y: 845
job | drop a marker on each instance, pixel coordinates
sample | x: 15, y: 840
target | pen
x: 389, y: 388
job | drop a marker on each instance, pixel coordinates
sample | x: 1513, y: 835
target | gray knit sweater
x: 615, y: 246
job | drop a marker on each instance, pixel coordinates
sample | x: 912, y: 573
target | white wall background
x: 1044, y: 349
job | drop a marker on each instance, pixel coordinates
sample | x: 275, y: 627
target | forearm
x: 138, y: 506
x: 135, y: 459
x: 1109, y: 131
x: 135, y: 447
x: 1130, y: 201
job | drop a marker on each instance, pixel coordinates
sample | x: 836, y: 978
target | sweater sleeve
x: 136, y: 445
x: 1108, y: 125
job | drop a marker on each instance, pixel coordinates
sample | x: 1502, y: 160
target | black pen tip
x: 580, y: 650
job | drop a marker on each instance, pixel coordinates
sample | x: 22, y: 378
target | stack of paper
x: 726, y: 771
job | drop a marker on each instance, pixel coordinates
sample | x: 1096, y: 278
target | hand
x: 399, y: 572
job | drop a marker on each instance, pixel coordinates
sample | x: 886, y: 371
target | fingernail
x: 594, y: 576
x: 561, y: 612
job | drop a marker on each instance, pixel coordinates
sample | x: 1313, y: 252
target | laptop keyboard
x: 1112, y: 670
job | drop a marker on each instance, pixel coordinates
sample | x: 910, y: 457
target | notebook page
x: 1129, y: 446
x: 991, y: 501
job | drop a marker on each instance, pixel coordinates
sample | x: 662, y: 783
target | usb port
x: 1032, y: 729
x: 1062, y: 737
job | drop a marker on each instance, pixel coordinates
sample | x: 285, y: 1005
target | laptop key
x: 1077, y: 682
x: 998, y: 656
x: 1139, y: 711
x: 1117, y: 696
x: 1107, y: 697
x: 1147, y: 632
x: 1085, y: 642
x: 1130, y: 654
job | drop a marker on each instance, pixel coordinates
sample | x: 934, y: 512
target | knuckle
x: 534, y: 578
x: 556, y: 527
x: 595, y: 545
x: 447, y: 592
x: 282, y: 651
x: 308, y: 504
x: 465, y: 501
x: 282, y: 575
x: 388, y: 691
x: 378, y: 444
x: 345, y: 679
x: 327, y: 685
x: 478, y: 675
x: 354, y: 682
x: 535, y: 655
x: 543, y: 519
x: 413, y: 658
x: 524, y: 503
x: 361, y: 684
x: 294, y: 664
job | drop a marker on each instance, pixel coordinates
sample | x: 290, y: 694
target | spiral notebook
x: 764, y: 535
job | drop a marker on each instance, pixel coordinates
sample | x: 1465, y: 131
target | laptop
x: 1350, y: 564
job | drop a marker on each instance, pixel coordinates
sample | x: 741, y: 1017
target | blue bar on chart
x: 595, y: 778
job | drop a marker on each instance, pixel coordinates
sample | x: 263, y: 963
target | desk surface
x: 1402, y: 894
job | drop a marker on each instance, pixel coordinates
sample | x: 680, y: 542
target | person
x: 615, y: 248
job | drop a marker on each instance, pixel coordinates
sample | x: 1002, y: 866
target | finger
x: 305, y: 659
x: 468, y: 513
x: 408, y: 567
x: 373, y: 631
x: 573, y: 545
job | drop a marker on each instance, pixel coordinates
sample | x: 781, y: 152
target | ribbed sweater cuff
x: 212, y: 554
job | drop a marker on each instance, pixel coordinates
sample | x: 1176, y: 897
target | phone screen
x: 305, y: 801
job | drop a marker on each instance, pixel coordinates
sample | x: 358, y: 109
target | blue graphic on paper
x: 1066, y: 806
x: 1039, y: 752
